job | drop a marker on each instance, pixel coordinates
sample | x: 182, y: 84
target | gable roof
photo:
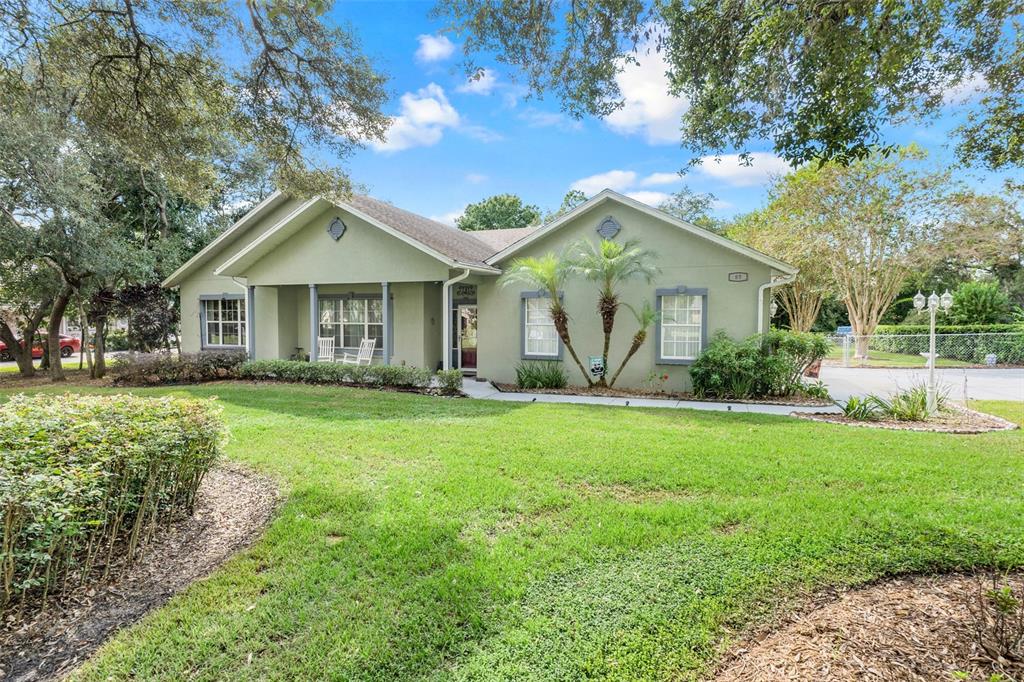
x: 497, y: 240
x: 225, y: 237
x: 607, y: 195
x: 448, y: 244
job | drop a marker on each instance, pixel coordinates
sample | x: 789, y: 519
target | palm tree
x: 611, y: 264
x: 645, y: 317
x: 547, y: 273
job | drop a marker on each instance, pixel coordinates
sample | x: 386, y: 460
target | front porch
x: 406, y: 320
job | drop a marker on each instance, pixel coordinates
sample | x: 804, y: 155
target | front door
x: 467, y: 337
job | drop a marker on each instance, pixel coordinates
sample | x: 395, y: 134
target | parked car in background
x: 69, y: 345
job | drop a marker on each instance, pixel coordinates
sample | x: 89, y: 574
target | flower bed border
x: 1000, y: 424
x: 654, y: 395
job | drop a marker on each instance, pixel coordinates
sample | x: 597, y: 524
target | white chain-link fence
x: 911, y: 350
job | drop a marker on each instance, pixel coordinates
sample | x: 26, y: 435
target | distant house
x: 293, y: 271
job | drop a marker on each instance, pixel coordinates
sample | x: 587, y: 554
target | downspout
x: 779, y: 281
x: 446, y: 361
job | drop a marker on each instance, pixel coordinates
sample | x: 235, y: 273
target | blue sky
x: 454, y: 142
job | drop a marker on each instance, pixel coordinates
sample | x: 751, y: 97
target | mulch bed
x: 915, y: 629
x: 953, y: 419
x: 658, y: 395
x: 233, y: 506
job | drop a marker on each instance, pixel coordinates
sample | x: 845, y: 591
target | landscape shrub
x: 541, y: 374
x: 141, y: 369
x: 398, y: 376
x: 980, y: 303
x: 861, y: 409
x: 762, y: 365
x: 116, y: 340
x: 450, y: 381
x: 910, y: 405
x: 86, y: 480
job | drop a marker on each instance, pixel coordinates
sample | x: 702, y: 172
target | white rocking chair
x: 363, y: 357
x: 325, y: 349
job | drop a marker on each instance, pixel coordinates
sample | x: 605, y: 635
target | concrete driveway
x: 981, y: 384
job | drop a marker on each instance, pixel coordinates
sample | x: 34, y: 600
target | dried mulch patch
x: 953, y: 419
x: 657, y: 395
x: 913, y: 629
x: 233, y: 506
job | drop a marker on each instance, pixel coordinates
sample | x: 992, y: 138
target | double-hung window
x: 540, y: 340
x: 681, y: 325
x: 224, y: 322
x: 350, y: 320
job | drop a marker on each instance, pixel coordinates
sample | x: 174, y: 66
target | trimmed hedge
x: 86, y: 480
x: 149, y: 369
x: 903, y: 329
x: 397, y: 376
x: 964, y: 343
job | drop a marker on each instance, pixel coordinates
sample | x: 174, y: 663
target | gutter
x: 777, y: 282
x: 446, y: 316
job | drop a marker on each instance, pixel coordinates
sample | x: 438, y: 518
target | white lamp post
x: 934, y: 303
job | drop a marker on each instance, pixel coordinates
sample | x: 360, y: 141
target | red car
x: 68, y: 347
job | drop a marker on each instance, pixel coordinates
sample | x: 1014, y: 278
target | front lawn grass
x: 427, y: 538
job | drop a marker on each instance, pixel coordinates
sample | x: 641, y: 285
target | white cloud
x: 475, y: 178
x: 648, y: 110
x: 966, y: 90
x: 536, y: 118
x: 434, y: 48
x: 421, y: 122
x: 729, y: 169
x: 614, y: 179
x: 483, y: 84
x: 655, y: 179
x: 648, y: 197
x: 720, y: 205
x: 448, y: 218
x: 481, y: 133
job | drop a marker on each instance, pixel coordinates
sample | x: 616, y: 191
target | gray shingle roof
x: 501, y: 239
x: 450, y: 241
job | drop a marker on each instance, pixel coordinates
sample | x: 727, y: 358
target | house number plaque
x: 737, y: 277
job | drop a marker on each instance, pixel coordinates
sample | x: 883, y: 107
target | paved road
x: 982, y: 384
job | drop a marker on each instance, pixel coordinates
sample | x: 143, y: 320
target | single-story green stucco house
x: 294, y: 270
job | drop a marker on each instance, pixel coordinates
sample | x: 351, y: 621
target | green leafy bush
x: 450, y: 381
x: 141, y: 369
x: 541, y: 374
x: 86, y: 480
x: 762, y: 365
x: 979, y: 303
x: 910, y: 405
x: 116, y: 340
x: 335, y: 373
x: 861, y: 409
x: 911, y: 329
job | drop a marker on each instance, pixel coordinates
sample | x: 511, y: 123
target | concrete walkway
x: 485, y: 390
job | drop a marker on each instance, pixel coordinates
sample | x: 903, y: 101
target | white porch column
x: 446, y: 316
x: 386, y: 311
x: 314, y: 323
x: 250, y: 320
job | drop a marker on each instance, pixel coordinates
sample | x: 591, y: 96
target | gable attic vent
x: 608, y: 228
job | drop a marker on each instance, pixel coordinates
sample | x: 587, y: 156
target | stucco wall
x: 364, y: 254
x: 684, y: 259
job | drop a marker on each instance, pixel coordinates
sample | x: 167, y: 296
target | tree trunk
x: 607, y: 306
x: 60, y: 304
x: 21, y: 354
x: 561, y: 321
x: 99, y: 365
x: 638, y: 340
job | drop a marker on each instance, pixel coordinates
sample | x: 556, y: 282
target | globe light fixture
x: 935, y: 303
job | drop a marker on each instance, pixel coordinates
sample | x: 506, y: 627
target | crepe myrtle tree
x: 610, y: 264
x: 547, y: 273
